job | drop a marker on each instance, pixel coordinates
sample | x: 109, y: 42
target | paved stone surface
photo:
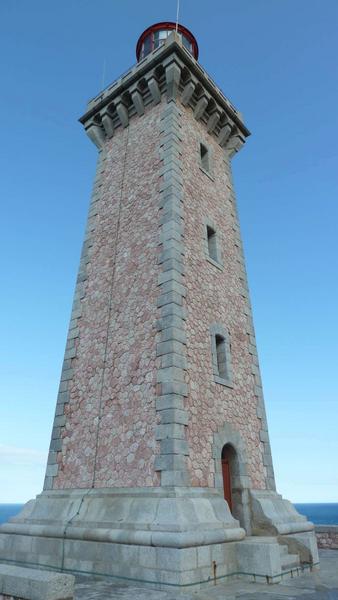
x: 322, y: 585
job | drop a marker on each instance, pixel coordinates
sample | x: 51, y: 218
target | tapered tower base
x: 182, y: 537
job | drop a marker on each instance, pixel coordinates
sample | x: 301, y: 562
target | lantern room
x: 156, y: 35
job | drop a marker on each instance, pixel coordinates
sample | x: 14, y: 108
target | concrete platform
x: 322, y: 585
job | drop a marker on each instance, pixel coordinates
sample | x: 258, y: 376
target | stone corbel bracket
x: 169, y: 71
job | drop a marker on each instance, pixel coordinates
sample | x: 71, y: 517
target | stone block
x: 174, y: 558
x: 172, y: 244
x: 48, y: 483
x: 171, y: 235
x: 173, y: 286
x: 171, y: 138
x: 70, y: 343
x: 218, y: 553
x: 170, y: 347
x: 170, y: 275
x: 73, y: 323
x: 60, y: 420
x: 56, y: 445
x: 148, y: 557
x: 172, y: 167
x: 168, y: 298
x: 170, y: 401
x: 170, y: 462
x: 170, y: 321
x: 170, y: 254
x: 203, y: 556
x: 33, y: 584
x: 170, y: 374
x: 173, y: 309
x: 52, y: 458
x: 67, y: 374
x: 63, y: 397
x: 267, y: 460
x: 260, y: 556
x: 70, y: 353
x: 63, y: 387
x: 173, y: 333
x: 171, y: 202
x: 263, y: 436
x: 129, y: 554
x: 59, y: 410
x: 174, y: 416
x: 56, y: 431
x: 259, y: 412
x: 174, y: 478
x: 174, y: 360
x: 174, y: 446
x: 67, y: 363
x: 173, y: 264
x: 52, y: 470
x: 169, y: 431
x: 73, y: 333
x: 175, y: 387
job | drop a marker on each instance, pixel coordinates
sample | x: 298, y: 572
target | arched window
x: 221, y: 356
x: 212, y: 243
x: 222, y: 370
x: 205, y: 159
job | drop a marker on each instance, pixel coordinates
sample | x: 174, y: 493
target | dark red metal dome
x: 156, y: 34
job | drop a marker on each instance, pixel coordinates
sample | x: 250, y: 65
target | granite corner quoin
x: 160, y: 468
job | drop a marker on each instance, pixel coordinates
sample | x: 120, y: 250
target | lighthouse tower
x: 160, y: 468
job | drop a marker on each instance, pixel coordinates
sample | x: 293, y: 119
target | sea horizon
x: 320, y: 513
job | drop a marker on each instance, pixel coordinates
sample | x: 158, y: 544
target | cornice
x: 169, y: 70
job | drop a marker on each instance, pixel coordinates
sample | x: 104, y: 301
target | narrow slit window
x: 221, y: 357
x: 204, y: 157
x: 212, y: 243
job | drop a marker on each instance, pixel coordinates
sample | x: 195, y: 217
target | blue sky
x: 277, y: 61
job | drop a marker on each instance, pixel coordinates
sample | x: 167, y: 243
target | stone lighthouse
x: 160, y: 469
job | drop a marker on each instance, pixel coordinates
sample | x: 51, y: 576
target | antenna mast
x: 177, y: 13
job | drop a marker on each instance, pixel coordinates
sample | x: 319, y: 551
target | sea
x: 320, y: 514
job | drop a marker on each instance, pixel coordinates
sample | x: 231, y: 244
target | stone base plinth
x: 154, y: 536
x: 184, y: 537
x: 141, y: 565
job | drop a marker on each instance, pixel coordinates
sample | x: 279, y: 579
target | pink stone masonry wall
x: 111, y: 415
x: 327, y: 536
x: 213, y: 296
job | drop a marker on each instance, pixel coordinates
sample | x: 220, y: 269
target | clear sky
x: 277, y: 61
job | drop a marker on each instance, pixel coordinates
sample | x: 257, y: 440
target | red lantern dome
x: 156, y: 35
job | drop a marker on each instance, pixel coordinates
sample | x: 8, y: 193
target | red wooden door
x: 227, y: 481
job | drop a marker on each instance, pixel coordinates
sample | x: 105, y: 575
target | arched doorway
x: 228, y: 460
x: 229, y: 446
